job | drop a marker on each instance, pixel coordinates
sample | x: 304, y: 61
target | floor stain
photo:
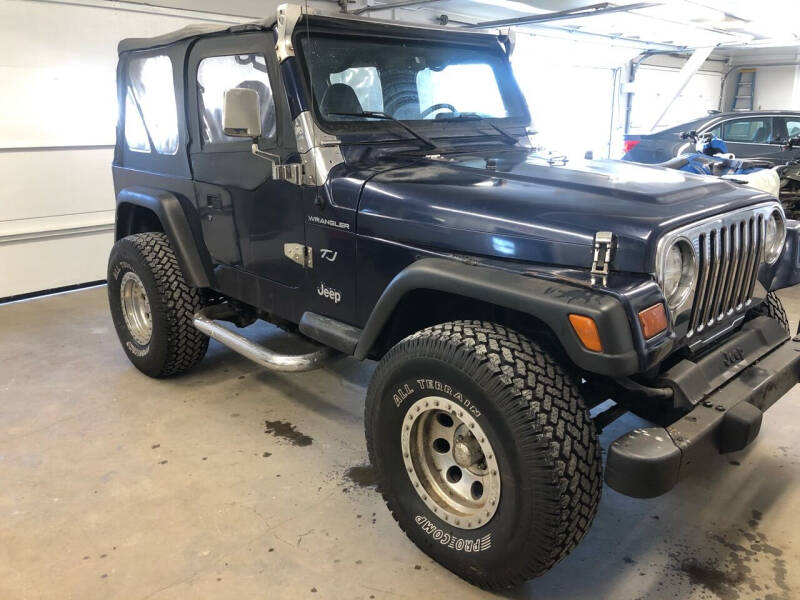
x: 732, y: 577
x: 722, y: 583
x: 287, y: 431
x: 362, y: 475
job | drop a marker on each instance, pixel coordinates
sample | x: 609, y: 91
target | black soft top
x: 190, y: 31
x: 342, y: 22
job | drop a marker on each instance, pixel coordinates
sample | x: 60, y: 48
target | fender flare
x: 167, y: 207
x: 547, y: 300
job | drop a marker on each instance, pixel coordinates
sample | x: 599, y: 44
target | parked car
x: 750, y: 134
x: 330, y: 175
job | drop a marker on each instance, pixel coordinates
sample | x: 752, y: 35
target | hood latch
x: 604, y: 249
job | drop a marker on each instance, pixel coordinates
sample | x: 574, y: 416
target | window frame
x: 728, y: 121
x: 431, y: 127
x: 232, y: 44
x: 165, y: 164
x: 233, y: 163
x: 242, y: 143
x: 129, y: 91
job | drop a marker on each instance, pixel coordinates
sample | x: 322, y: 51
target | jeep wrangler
x: 371, y: 187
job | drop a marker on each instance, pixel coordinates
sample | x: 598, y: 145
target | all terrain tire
x: 525, y: 436
x: 771, y: 307
x: 152, y: 306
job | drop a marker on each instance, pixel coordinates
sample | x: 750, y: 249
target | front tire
x: 771, y: 307
x: 475, y: 400
x: 152, y: 306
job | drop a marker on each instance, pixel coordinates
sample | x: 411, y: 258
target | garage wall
x: 777, y: 88
x: 655, y: 81
x: 57, y: 119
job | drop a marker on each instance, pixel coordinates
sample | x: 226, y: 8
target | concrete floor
x: 235, y: 482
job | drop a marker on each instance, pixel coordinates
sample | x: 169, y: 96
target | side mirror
x: 241, y: 113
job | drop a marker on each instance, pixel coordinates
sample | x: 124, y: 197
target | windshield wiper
x: 370, y: 114
x: 469, y: 116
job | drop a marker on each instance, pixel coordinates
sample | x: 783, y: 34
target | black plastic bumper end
x: 643, y: 463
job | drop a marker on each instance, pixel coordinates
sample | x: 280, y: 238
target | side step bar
x: 257, y: 353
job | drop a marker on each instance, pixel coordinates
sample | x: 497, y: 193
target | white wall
x: 57, y: 120
x: 777, y: 88
x: 654, y: 84
x: 656, y: 78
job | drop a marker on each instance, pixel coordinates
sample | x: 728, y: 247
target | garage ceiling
x: 681, y: 23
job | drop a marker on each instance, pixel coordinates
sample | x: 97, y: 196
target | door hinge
x: 291, y: 172
x: 604, y: 248
x: 302, y: 255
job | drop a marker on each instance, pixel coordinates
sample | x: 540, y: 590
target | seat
x: 340, y: 98
x: 761, y: 135
x: 674, y: 163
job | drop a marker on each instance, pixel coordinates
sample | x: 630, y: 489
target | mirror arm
x: 273, y: 158
x: 291, y: 172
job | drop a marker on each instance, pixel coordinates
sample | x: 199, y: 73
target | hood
x: 515, y: 205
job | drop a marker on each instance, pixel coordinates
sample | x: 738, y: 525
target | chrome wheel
x: 136, y: 308
x: 450, y: 462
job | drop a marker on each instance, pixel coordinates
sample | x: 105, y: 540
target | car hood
x: 517, y: 206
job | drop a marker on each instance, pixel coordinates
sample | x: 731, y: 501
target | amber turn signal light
x: 587, y: 332
x: 653, y: 320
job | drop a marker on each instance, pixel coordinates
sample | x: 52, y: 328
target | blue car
x: 749, y: 134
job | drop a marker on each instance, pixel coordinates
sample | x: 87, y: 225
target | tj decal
x: 329, y: 255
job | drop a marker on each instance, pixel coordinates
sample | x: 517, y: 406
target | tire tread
x: 541, y: 400
x: 178, y: 302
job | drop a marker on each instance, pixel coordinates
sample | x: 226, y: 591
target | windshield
x: 408, y: 80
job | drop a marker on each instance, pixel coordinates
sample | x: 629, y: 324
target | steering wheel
x: 436, y: 107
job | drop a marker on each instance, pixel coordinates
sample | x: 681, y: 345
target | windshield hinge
x: 604, y: 248
x: 302, y: 255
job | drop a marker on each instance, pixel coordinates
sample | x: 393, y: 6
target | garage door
x: 57, y: 119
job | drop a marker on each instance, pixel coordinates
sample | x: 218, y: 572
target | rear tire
x: 771, y: 307
x: 523, y: 415
x: 152, y: 306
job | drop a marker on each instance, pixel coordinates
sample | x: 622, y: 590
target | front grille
x: 729, y: 253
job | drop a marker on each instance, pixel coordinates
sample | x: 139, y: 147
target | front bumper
x: 645, y: 463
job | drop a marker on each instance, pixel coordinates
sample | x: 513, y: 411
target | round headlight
x: 678, y: 273
x: 775, y: 236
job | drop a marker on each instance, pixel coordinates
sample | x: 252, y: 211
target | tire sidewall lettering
x: 431, y: 386
x: 400, y: 393
x: 125, y: 263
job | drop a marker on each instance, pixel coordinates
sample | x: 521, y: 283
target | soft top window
x: 151, y: 113
x: 217, y: 74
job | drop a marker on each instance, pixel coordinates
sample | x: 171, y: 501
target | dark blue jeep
x: 371, y: 187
